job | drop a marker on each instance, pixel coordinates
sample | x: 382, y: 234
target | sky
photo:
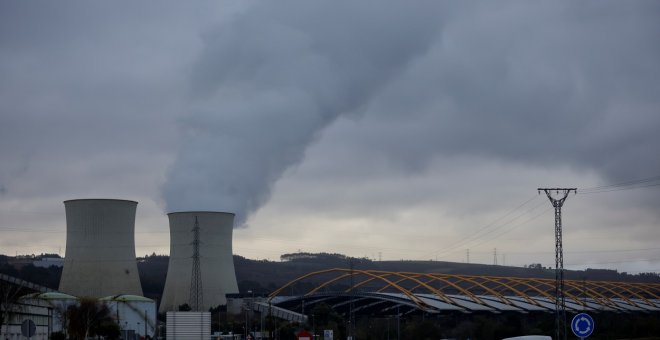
x: 380, y: 129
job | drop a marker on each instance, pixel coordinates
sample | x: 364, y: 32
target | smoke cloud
x: 269, y: 81
x: 540, y: 85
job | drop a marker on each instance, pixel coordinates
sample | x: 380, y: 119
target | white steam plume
x: 271, y: 80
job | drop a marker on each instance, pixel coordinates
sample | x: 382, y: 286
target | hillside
x: 262, y: 277
x: 274, y: 274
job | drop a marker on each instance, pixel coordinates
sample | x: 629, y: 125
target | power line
x: 655, y: 271
x: 482, y: 236
x: 627, y: 185
x: 479, y: 234
x: 514, y: 227
x: 618, y: 189
x: 615, y: 262
x: 586, y: 251
x: 62, y: 230
x: 476, y: 235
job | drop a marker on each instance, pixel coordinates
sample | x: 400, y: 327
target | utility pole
x: 495, y: 256
x: 398, y: 323
x: 560, y: 299
x: 467, y: 255
x: 196, y: 295
x: 351, y: 314
x: 145, y: 324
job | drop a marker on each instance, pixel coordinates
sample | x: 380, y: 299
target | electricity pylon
x: 560, y: 300
x: 196, y: 296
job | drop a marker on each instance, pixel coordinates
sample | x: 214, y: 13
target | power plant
x: 201, y: 264
x: 101, y: 263
x: 100, y: 254
x: 100, y: 248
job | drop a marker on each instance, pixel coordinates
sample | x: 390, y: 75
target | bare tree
x: 87, y: 318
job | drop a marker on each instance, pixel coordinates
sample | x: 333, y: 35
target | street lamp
x: 247, y: 307
x: 145, y: 324
x: 252, y: 326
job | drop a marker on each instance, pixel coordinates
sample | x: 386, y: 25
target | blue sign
x: 582, y: 325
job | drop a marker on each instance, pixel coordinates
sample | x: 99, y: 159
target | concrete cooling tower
x: 100, y: 248
x: 214, y: 267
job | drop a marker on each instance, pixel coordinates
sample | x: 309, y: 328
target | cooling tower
x: 216, y: 262
x: 100, y: 248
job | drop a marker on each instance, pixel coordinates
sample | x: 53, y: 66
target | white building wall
x: 100, y: 248
x: 40, y: 315
x: 216, y: 259
x: 57, y: 306
x: 188, y: 325
x: 47, y: 262
x: 134, y: 315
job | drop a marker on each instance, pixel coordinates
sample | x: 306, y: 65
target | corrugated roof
x: 434, y: 292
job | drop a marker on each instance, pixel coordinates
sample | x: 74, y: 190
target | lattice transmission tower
x: 196, y: 294
x: 560, y: 299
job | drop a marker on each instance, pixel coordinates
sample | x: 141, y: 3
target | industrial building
x: 211, y: 273
x: 100, y: 248
x: 58, y: 304
x: 135, y: 315
x: 19, y: 313
x: 375, y: 292
x: 188, y: 325
x: 38, y: 312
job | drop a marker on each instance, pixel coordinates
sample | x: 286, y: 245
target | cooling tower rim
x: 200, y: 212
x: 100, y: 199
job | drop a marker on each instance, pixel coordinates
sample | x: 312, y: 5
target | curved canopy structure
x: 378, y: 292
x: 49, y: 296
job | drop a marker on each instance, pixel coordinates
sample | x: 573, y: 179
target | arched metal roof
x: 49, y: 296
x: 436, y: 292
x: 126, y: 298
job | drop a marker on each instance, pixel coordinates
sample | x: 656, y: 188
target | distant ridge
x: 262, y: 276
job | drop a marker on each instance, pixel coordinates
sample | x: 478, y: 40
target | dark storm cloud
x: 384, y: 113
x: 88, y: 94
x: 532, y: 83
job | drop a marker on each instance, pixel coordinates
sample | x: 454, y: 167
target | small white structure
x: 56, y: 301
x: 216, y: 260
x: 188, y: 325
x: 47, y: 262
x: 100, y: 248
x: 133, y: 313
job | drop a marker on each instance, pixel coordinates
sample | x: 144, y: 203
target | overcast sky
x: 385, y: 129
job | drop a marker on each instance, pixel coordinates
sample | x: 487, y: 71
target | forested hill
x: 261, y: 276
x: 264, y: 275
